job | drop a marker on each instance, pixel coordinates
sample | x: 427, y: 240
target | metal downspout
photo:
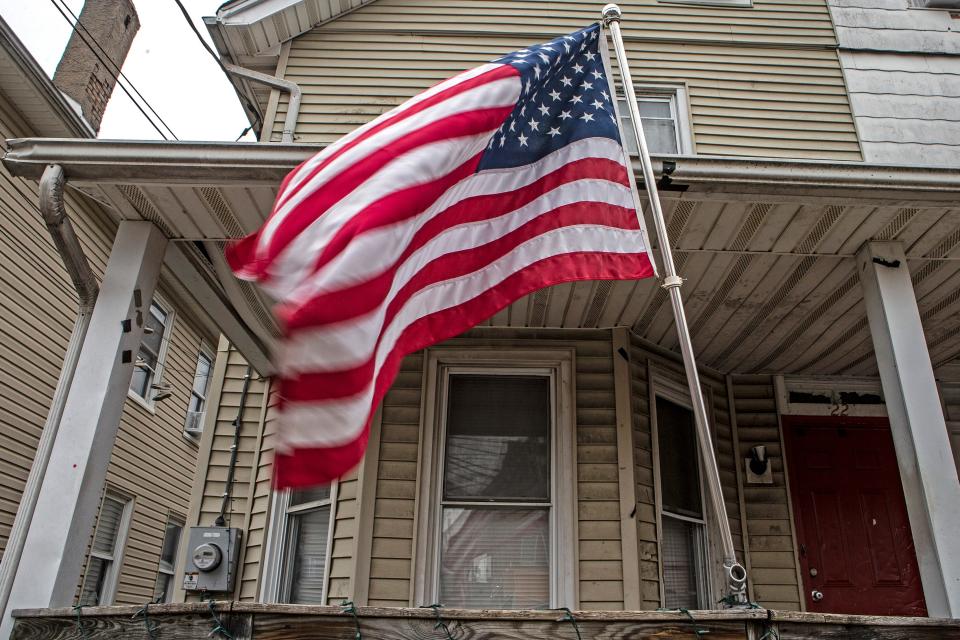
x: 85, y: 283
x: 293, y: 109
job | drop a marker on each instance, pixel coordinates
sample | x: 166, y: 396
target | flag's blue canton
x: 565, y: 97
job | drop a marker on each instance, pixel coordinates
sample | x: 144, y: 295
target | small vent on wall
x: 144, y: 207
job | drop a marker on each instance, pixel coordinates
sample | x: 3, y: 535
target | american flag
x: 507, y: 178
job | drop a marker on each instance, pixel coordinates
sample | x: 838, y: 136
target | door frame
x: 787, y: 423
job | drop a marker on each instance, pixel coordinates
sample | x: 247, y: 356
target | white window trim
x: 207, y: 352
x: 737, y: 4
x: 275, y: 560
x: 149, y: 403
x: 558, y: 364
x: 172, y: 571
x: 661, y: 385
x: 785, y: 384
x: 679, y: 97
x: 112, y: 579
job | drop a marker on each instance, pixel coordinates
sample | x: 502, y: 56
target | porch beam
x: 927, y: 469
x: 69, y: 498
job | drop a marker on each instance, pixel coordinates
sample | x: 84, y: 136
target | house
x: 546, y: 458
x: 129, y: 556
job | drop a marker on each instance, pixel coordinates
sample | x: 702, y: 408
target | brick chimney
x: 87, y: 74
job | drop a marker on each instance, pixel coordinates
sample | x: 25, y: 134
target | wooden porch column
x: 927, y: 469
x: 56, y: 545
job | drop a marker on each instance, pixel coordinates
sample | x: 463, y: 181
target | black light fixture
x: 758, y: 460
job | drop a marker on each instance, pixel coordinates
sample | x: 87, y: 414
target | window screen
x: 305, y: 545
x: 679, y: 462
x: 163, y: 591
x: 97, y: 583
x: 681, y: 517
x: 148, y: 356
x: 495, y: 529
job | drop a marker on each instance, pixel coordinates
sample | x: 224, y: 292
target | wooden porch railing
x: 246, y: 621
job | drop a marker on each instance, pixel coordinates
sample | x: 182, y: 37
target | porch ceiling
x: 767, y: 247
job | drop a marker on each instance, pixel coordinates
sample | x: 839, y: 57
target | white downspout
x: 77, y: 266
x: 293, y: 109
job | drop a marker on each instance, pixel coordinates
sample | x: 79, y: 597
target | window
x: 497, y: 515
x: 663, y: 111
x: 198, y: 393
x: 300, y: 546
x: 163, y: 591
x: 682, y: 517
x: 100, y: 581
x: 148, y: 367
x: 496, y: 498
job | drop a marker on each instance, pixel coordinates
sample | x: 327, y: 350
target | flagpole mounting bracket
x: 669, y: 282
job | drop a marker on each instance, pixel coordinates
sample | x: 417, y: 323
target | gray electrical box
x: 212, y: 554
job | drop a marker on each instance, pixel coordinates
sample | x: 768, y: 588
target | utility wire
x: 117, y: 68
x: 246, y: 101
x: 103, y: 62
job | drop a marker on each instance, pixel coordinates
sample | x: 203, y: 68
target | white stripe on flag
x: 344, y: 418
x: 500, y: 93
x: 387, y: 243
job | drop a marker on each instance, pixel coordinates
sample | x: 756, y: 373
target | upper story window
x: 712, y: 3
x: 665, y: 118
x: 198, y: 393
x: 163, y: 590
x: 103, y: 566
x: 682, y: 515
x: 497, y: 512
x: 148, y: 367
x: 300, y: 546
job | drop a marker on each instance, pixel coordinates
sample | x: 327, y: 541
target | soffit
x: 771, y: 283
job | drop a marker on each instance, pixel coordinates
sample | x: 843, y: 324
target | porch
x: 248, y: 621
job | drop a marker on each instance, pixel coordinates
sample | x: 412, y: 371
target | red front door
x: 856, y: 549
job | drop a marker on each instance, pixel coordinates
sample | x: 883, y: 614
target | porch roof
x: 767, y: 247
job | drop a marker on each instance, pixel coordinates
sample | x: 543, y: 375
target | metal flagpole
x: 735, y: 575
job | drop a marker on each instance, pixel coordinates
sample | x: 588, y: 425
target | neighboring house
x: 821, y: 292
x: 143, y: 508
x: 901, y: 61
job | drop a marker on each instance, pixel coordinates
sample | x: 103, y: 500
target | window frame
x: 171, y: 572
x: 275, y: 585
x: 728, y: 4
x: 203, y: 352
x: 114, y: 559
x: 662, y: 386
x: 157, y: 378
x: 677, y: 95
x: 440, y: 364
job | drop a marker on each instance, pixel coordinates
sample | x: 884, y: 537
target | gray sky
x: 167, y: 64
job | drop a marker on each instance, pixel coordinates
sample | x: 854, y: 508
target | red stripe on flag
x: 318, y: 202
x: 499, y: 73
x: 309, y: 466
x: 396, y: 207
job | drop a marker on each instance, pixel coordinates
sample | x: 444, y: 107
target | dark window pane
x: 171, y: 540
x: 310, y: 494
x: 495, y: 558
x: 679, y: 462
x: 498, y: 438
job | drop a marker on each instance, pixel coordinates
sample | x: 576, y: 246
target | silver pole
x: 735, y: 576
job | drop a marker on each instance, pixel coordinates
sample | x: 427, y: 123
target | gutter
x: 265, y: 163
x: 293, y: 109
x: 75, y: 261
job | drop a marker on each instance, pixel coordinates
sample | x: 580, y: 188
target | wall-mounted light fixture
x: 758, y: 466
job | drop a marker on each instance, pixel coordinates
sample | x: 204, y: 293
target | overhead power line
x: 112, y: 68
x: 250, y: 107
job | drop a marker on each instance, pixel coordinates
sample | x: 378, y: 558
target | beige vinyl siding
x: 599, y: 551
x: 152, y: 461
x: 252, y: 496
x: 785, y: 98
x: 772, y: 557
x: 643, y: 360
x: 391, y: 550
